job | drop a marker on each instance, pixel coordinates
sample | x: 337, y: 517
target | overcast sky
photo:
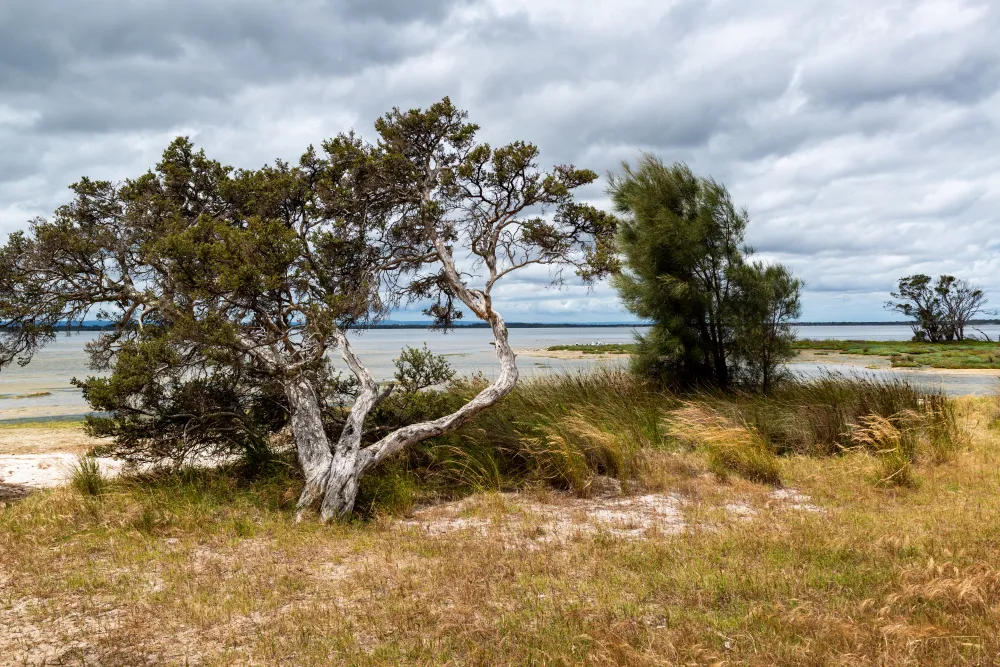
x: 862, y: 136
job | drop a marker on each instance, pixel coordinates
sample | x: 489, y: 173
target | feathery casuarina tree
x: 263, y: 272
x: 717, y: 320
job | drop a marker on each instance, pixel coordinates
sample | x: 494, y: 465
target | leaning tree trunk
x: 344, y: 477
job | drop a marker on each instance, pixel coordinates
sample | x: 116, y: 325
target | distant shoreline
x: 97, y: 326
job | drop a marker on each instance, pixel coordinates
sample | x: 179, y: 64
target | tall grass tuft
x: 730, y: 447
x: 893, y: 440
x: 567, y: 429
x: 564, y: 429
x: 86, y: 476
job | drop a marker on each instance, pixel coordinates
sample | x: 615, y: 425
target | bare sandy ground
x: 560, y: 516
x: 35, y: 457
x: 32, y: 439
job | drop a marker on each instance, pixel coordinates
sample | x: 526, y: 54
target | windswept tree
x: 717, y: 319
x: 961, y: 302
x: 263, y: 272
x: 940, y: 311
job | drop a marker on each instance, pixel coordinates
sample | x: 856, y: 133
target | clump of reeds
x: 565, y: 429
x: 87, y: 477
x: 893, y: 441
x: 731, y: 447
x: 817, y: 416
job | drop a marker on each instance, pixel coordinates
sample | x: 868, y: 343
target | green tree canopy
x: 262, y: 272
x: 940, y: 311
x: 717, y: 320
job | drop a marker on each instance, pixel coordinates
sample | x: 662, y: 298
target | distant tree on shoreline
x: 940, y: 311
x: 718, y: 319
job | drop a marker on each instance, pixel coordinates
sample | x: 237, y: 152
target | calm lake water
x: 468, y: 350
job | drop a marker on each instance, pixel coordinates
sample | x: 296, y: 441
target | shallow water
x: 468, y: 350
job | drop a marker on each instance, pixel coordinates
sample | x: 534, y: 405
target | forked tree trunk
x: 310, y: 438
x: 349, y: 461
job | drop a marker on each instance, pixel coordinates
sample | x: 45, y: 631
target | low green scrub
x: 911, y: 354
x: 608, y: 348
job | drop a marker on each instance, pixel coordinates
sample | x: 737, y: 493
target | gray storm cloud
x: 862, y: 136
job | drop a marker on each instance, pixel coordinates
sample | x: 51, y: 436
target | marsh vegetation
x: 833, y: 520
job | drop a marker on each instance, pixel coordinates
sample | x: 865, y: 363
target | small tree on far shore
x: 961, y: 302
x: 940, y: 311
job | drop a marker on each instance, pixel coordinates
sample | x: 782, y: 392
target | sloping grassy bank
x: 845, y: 564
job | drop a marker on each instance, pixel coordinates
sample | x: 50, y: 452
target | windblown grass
x: 564, y: 430
x: 207, y: 567
x: 86, y: 476
x: 730, y: 447
x: 561, y: 430
x: 817, y: 417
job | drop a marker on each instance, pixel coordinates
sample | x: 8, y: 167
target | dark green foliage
x: 940, y: 311
x: 717, y: 320
x: 762, y: 340
x: 160, y: 404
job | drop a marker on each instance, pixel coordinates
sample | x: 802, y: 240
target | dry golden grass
x: 729, y: 446
x: 198, y: 569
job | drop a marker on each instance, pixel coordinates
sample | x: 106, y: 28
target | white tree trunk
x: 311, y: 442
x: 345, y: 472
x: 348, y: 461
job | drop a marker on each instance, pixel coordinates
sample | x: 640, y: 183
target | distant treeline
x: 878, y: 324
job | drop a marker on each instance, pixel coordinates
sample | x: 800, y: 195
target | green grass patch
x: 912, y: 354
x: 37, y: 394
x: 608, y: 348
x: 68, y: 423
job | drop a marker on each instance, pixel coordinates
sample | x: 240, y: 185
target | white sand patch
x: 795, y: 500
x: 627, y: 517
x: 519, y: 518
x: 46, y: 470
